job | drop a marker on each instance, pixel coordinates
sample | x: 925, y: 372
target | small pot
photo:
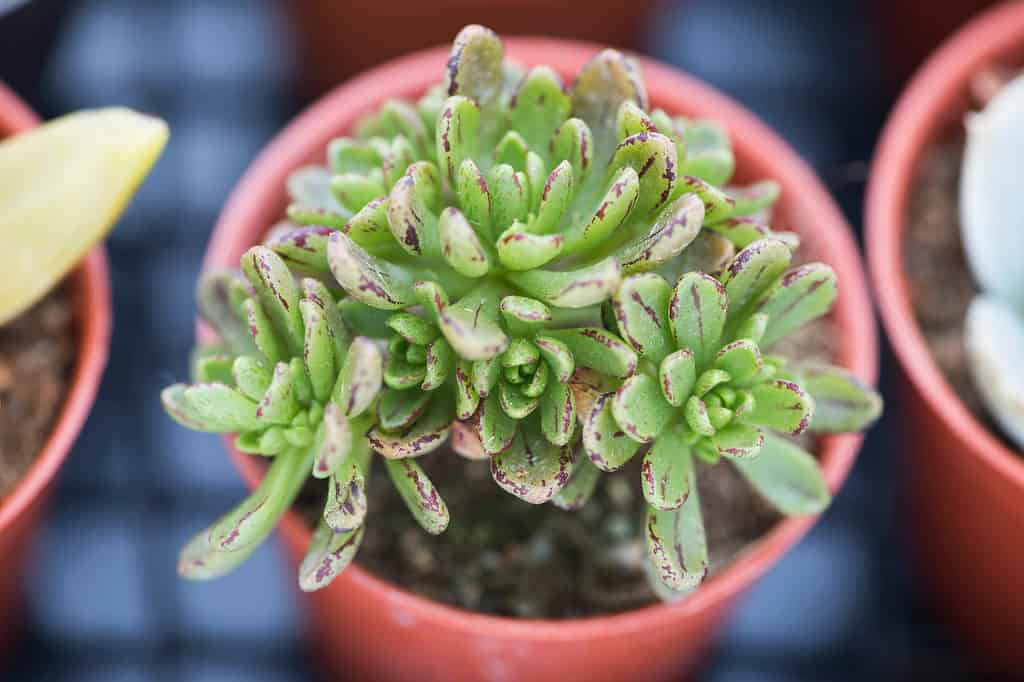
x: 965, y: 486
x: 336, y: 40
x: 22, y: 510
x: 366, y: 628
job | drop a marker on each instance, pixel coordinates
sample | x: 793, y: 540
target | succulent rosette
x: 704, y: 390
x: 503, y: 247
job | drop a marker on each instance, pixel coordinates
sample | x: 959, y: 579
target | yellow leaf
x: 62, y: 188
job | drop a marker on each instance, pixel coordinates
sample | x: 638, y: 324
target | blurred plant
x: 994, y: 327
x: 47, y: 226
x: 479, y: 237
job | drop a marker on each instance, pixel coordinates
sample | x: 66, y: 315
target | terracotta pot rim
x: 404, y: 77
x: 90, y: 291
x: 920, y: 116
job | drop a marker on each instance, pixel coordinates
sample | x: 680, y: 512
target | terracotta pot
x: 21, y: 511
x: 366, y: 628
x: 336, y: 40
x: 966, y: 487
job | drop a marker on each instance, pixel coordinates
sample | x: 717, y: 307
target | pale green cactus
x: 993, y: 240
x: 486, y: 238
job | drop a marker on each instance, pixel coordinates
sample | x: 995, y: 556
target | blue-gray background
x: 105, y: 603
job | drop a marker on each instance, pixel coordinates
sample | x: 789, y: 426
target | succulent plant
x: 994, y: 327
x: 504, y: 246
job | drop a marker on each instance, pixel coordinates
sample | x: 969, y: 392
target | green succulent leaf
x: 557, y: 355
x: 558, y: 413
x: 677, y: 543
x: 460, y: 246
x: 329, y: 553
x: 470, y: 325
x: 376, y: 283
x: 697, y: 313
x: 220, y: 295
x: 787, y: 477
x: 653, y: 157
x: 708, y: 151
x: 457, y: 130
x: 611, y: 212
x: 842, y: 402
x: 554, y: 199
x: 581, y: 486
x: 497, y: 427
x: 781, y: 405
x: 754, y: 198
x: 413, y: 205
x: 640, y: 410
x: 420, y: 495
x: 751, y: 272
x: 741, y: 359
x: 360, y: 378
x: 641, y: 311
x: 573, y: 141
x: 570, y: 288
x: 346, y: 505
x: 475, y: 67
x: 604, y: 441
x: 674, y: 230
x: 520, y: 250
x: 667, y: 473
x: 738, y: 441
x: 678, y: 376
x: 333, y: 442
x: 602, y: 85
x: 800, y: 295
x: 532, y: 468
x: 597, y: 349
x: 426, y: 434
x: 538, y: 106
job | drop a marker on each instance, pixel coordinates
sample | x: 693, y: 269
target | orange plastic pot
x: 22, y: 510
x: 336, y: 40
x: 965, y: 487
x: 366, y: 628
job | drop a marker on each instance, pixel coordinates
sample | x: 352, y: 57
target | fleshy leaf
x: 533, y: 469
x: 799, y: 296
x: 653, y: 157
x: 753, y: 198
x: 611, y: 212
x: 787, y: 477
x: 214, y: 295
x: 412, y: 210
x: 328, y: 554
x: 474, y: 197
x: 574, y: 142
x: 398, y: 409
x: 668, y: 471
x: 277, y: 292
x: 497, y: 428
x: 466, y: 396
x: 333, y: 443
x: 708, y: 152
x: 509, y: 196
x: 428, y: 433
x: 475, y: 66
x: 538, y: 106
x: 571, y: 288
x: 354, y: 191
x: 369, y: 228
x: 741, y: 359
x: 678, y: 376
x: 419, y: 494
x: 457, y: 127
x: 842, y: 402
x: 751, y: 272
x: 558, y: 356
x: 346, y: 503
x: 514, y: 402
x: 558, y: 412
x: 677, y: 544
x: 279, y: 403
x: 717, y: 204
x: 376, y: 283
x: 601, y: 86
x: 318, y: 350
x: 360, y: 378
x: 641, y: 310
x: 252, y: 376
x: 439, y: 363
x: 697, y: 313
x: 781, y: 405
x: 554, y: 199
x: 605, y: 442
x: 305, y: 247
x: 521, y: 250
x: 640, y: 410
x: 470, y: 325
x: 460, y: 245
x: 674, y: 230
x: 739, y: 441
x: 580, y: 488
x: 597, y: 349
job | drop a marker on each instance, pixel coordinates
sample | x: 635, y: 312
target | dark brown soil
x: 503, y: 556
x: 937, y: 273
x: 36, y: 354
